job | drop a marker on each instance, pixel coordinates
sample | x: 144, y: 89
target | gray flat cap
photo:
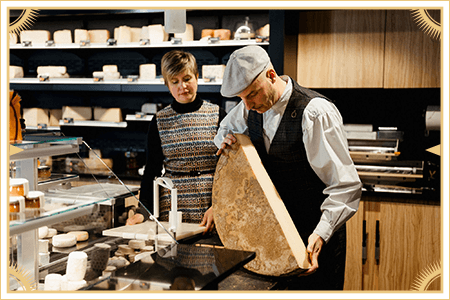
x: 244, y: 65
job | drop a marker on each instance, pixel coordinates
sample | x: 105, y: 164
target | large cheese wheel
x: 250, y: 215
x: 80, y: 235
x: 64, y: 240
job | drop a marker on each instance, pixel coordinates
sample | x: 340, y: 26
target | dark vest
x: 286, y: 163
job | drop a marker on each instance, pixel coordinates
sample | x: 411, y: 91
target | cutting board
x: 250, y: 215
x: 146, y: 231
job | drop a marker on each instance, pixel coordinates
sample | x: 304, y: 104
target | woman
x: 180, y: 139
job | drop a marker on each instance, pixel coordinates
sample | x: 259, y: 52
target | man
x: 299, y: 136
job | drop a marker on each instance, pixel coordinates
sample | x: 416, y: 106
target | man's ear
x: 271, y: 74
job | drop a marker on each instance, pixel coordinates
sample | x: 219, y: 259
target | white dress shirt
x: 326, y: 149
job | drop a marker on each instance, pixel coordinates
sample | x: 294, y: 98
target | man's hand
x: 208, y: 220
x: 227, y: 141
x: 315, y: 243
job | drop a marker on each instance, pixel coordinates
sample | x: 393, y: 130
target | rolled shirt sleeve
x: 327, y: 151
x: 234, y: 122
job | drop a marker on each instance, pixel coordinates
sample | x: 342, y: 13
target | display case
x: 90, y: 206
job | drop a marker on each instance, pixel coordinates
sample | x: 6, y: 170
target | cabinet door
x: 353, y: 263
x: 409, y: 243
x: 341, y: 49
x: 412, y: 57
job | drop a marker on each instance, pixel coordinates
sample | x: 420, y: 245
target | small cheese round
x: 125, y: 249
x: 52, y: 282
x: 43, y: 231
x: 81, y: 235
x: 76, y: 266
x: 64, y: 240
x: 51, y: 233
x: 136, y: 244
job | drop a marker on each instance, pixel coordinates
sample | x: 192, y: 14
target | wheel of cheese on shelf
x: 80, y: 235
x: 136, y: 244
x: 64, y: 240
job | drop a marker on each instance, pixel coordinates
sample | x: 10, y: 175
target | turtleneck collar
x: 183, y: 108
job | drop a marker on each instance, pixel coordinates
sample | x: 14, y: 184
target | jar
x: 18, y: 187
x: 34, y: 199
x: 44, y: 172
x: 16, y: 205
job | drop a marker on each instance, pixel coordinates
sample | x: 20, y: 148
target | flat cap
x: 244, y: 65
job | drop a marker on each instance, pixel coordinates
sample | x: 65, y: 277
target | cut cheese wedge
x: 250, y: 215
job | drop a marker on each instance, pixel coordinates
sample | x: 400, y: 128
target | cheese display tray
x: 146, y: 231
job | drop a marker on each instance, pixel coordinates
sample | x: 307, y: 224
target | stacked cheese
x: 133, y: 251
x: 94, y: 35
x: 45, y: 234
x: 74, y: 278
x: 109, y: 72
x: 53, y: 71
x: 126, y: 34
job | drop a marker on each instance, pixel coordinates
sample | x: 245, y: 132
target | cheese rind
x: 80, y: 235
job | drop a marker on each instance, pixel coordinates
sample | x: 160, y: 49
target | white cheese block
x: 111, y: 75
x: 80, y: 35
x: 98, y: 35
x: 110, y: 68
x: 35, y: 36
x: 13, y: 39
x: 135, y: 34
x: 43, y: 246
x: 147, y: 71
x: 188, y: 35
x: 136, y: 244
x: 264, y: 31
x: 54, y: 116
x: 62, y: 36
x: 79, y: 113
x: 123, y: 34
x: 35, y: 116
x: 15, y: 72
x: 42, y: 232
x: 80, y: 235
x: 97, y: 74
x: 64, y: 240
x: 52, y: 282
x: 64, y: 283
x: 53, y: 71
x: 44, y: 258
x: 216, y: 71
x: 75, y: 285
x: 156, y: 34
x: 107, y: 114
x: 76, y: 266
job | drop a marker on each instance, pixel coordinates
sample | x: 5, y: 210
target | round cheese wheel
x: 81, y: 235
x: 43, y: 231
x: 125, y: 249
x: 51, y: 233
x: 64, y: 240
x: 136, y: 244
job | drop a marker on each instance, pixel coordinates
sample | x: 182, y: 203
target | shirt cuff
x: 324, y: 230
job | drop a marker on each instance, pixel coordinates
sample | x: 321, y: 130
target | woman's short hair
x: 175, y: 62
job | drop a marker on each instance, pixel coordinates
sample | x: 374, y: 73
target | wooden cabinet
x: 413, y: 59
x: 391, y: 241
x: 362, y: 49
x: 342, y: 48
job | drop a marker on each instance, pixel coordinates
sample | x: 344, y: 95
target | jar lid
x: 15, y: 199
x: 17, y: 181
x: 35, y: 194
x: 43, y: 168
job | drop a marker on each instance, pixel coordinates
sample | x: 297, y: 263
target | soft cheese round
x: 81, y: 235
x: 64, y: 240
